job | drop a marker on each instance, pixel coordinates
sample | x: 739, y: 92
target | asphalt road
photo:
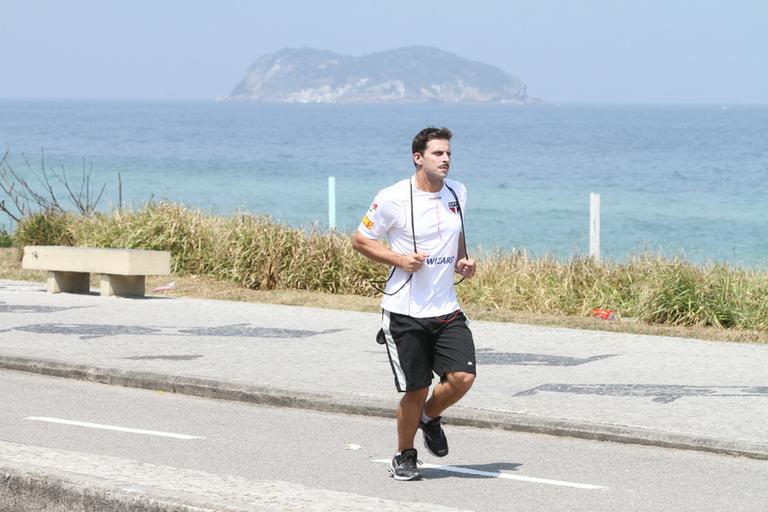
x: 237, y: 449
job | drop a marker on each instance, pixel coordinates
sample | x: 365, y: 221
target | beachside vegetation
x: 6, y: 238
x: 261, y: 254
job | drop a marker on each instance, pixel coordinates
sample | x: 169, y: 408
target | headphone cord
x: 463, y: 236
x: 413, y: 234
x: 392, y: 272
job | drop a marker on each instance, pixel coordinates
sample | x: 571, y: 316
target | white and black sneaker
x: 434, y: 437
x: 405, y: 466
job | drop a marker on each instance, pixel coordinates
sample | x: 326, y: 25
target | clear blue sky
x: 665, y: 51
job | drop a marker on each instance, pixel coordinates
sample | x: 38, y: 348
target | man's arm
x: 376, y: 251
x: 462, y: 249
x: 464, y: 265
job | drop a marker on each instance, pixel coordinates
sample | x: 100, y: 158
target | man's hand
x: 412, y: 262
x: 466, y: 267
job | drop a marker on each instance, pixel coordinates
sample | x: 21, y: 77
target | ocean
x: 674, y: 179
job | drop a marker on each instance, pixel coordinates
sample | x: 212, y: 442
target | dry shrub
x: 46, y: 228
x: 259, y: 253
x: 188, y: 235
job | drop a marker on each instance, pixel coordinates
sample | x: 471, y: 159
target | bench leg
x: 73, y: 282
x: 124, y: 286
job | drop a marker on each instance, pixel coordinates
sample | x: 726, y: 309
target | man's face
x: 436, y: 159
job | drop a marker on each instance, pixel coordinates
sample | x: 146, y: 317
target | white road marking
x: 112, y: 427
x: 520, y: 478
x: 200, y: 491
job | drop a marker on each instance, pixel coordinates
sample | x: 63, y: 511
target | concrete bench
x: 123, y: 271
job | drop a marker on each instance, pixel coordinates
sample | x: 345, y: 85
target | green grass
x: 259, y: 254
x: 6, y: 239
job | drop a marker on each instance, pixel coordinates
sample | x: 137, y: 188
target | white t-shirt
x: 438, y: 228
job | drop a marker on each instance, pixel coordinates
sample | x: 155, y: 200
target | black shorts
x: 419, y: 346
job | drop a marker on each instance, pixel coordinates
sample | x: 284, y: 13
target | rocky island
x: 415, y: 74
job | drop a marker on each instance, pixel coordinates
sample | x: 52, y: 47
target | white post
x: 594, y: 226
x: 332, y: 203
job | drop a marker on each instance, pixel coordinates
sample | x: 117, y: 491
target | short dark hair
x: 419, y: 144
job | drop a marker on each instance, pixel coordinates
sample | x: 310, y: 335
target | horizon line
x: 542, y: 102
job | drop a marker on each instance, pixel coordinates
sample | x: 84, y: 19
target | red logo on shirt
x: 453, y: 206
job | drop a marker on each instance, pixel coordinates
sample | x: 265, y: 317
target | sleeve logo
x: 367, y: 222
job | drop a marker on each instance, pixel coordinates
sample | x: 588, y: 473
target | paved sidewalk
x: 641, y: 389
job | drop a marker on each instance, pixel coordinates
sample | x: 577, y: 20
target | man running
x: 422, y: 325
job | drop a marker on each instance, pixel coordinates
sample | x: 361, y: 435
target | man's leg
x: 408, y: 417
x: 408, y: 347
x: 455, y: 363
x: 404, y: 465
x: 447, y: 392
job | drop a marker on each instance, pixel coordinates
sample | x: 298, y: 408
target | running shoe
x: 434, y: 437
x: 405, y: 466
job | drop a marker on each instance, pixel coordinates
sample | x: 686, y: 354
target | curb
x: 350, y: 404
x: 22, y: 490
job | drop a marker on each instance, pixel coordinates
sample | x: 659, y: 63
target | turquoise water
x: 677, y: 179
